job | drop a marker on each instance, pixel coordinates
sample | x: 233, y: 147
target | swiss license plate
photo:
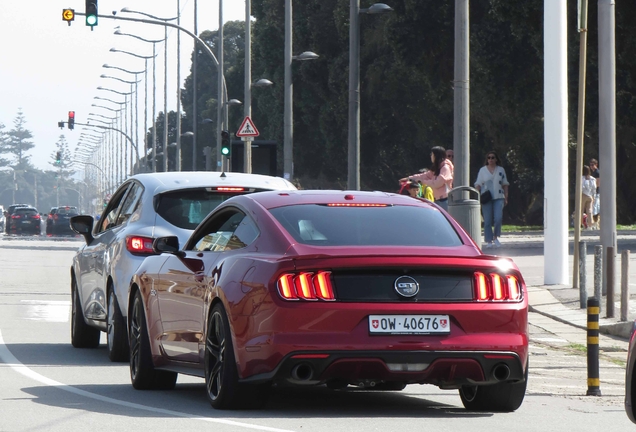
x: 409, y: 324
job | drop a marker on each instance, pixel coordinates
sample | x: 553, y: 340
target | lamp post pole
x: 178, y: 155
x: 353, y: 180
x: 195, y: 116
x: 247, y: 144
x: 288, y: 123
x: 220, y: 99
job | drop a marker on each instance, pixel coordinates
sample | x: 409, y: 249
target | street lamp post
x: 154, y: 91
x: 146, y: 58
x: 165, y: 78
x: 353, y: 179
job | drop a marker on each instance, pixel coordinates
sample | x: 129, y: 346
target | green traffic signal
x: 225, y: 143
x: 91, y: 13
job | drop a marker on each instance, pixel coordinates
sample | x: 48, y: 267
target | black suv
x: 57, y: 222
x: 23, y: 219
x: 8, y: 213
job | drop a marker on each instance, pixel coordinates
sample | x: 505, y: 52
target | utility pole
x: 607, y: 127
x: 580, y: 137
x: 461, y: 136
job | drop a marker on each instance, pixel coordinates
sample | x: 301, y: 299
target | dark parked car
x: 58, y: 220
x: 10, y: 210
x: 329, y: 287
x: 24, y: 220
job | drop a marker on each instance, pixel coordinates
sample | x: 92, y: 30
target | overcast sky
x: 48, y: 68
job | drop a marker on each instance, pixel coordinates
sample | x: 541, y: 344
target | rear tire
x: 82, y: 335
x: 501, y: 397
x: 117, y: 336
x: 221, y: 376
x: 143, y: 374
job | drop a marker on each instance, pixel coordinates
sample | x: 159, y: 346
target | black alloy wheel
x: 143, y: 374
x: 82, y: 335
x: 117, y: 336
x: 221, y: 376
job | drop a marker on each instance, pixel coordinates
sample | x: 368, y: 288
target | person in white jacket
x: 492, y: 178
x: 588, y: 189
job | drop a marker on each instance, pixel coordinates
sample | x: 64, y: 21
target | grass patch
x: 578, y: 347
x: 521, y: 228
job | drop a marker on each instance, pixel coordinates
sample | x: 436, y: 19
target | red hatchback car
x: 363, y: 289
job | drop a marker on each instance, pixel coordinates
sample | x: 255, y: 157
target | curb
x: 622, y: 330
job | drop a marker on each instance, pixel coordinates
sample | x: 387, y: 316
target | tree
x: 64, y: 168
x: 18, y: 142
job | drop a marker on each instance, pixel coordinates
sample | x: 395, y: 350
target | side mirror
x: 166, y: 245
x: 83, y: 225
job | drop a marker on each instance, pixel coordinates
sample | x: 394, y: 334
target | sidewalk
x: 556, y: 308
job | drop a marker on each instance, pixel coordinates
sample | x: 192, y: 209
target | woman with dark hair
x: 492, y: 178
x: 439, y: 177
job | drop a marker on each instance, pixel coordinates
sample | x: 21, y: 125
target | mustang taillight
x: 139, y: 244
x: 306, y: 286
x: 495, y: 287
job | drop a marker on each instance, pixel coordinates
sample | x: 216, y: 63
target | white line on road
x: 10, y: 360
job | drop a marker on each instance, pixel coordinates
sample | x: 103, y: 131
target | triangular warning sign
x: 247, y: 129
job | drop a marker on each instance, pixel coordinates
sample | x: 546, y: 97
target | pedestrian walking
x: 439, y: 177
x: 588, y: 190
x: 596, y: 207
x: 492, y: 184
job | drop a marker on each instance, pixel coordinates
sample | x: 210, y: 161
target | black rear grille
x: 380, y: 287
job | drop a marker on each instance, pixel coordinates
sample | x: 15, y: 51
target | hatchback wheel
x: 501, y: 397
x: 82, y: 335
x: 221, y: 376
x: 117, y: 337
x: 143, y: 374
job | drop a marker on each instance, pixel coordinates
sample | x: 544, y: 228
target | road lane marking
x: 49, y: 311
x: 10, y: 360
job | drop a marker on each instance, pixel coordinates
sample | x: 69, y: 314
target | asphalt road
x: 45, y: 384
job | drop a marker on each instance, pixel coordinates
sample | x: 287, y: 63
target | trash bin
x: 466, y: 211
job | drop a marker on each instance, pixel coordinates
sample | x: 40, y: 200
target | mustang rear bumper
x: 446, y: 369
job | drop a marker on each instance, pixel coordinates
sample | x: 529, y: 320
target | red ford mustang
x: 329, y: 287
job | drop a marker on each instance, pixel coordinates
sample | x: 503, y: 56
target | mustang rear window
x: 367, y: 226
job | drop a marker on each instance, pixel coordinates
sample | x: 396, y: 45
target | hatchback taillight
x: 139, y: 244
x: 497, y: 288
x: 310, y: 286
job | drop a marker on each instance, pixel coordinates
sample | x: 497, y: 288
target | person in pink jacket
x: 439, y: 177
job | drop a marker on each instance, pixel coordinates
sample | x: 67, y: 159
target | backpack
x: 426, y: 192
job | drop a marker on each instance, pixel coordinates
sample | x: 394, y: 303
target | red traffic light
x: 71, y: 120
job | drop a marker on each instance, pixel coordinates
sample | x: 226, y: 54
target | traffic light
x: 91, y: 13
x: 68, y: 15
x: 58, y: 158
x: 226, y: 147
x: 71, y: 120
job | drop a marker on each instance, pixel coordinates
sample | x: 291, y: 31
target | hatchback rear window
x: 322, y: 225
x: 187, y: 208
x: 67, y: 211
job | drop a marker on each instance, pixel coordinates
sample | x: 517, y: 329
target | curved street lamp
x: 154, y: 85
x: 165, y: 86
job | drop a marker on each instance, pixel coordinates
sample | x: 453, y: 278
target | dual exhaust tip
x: 305, y: 372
